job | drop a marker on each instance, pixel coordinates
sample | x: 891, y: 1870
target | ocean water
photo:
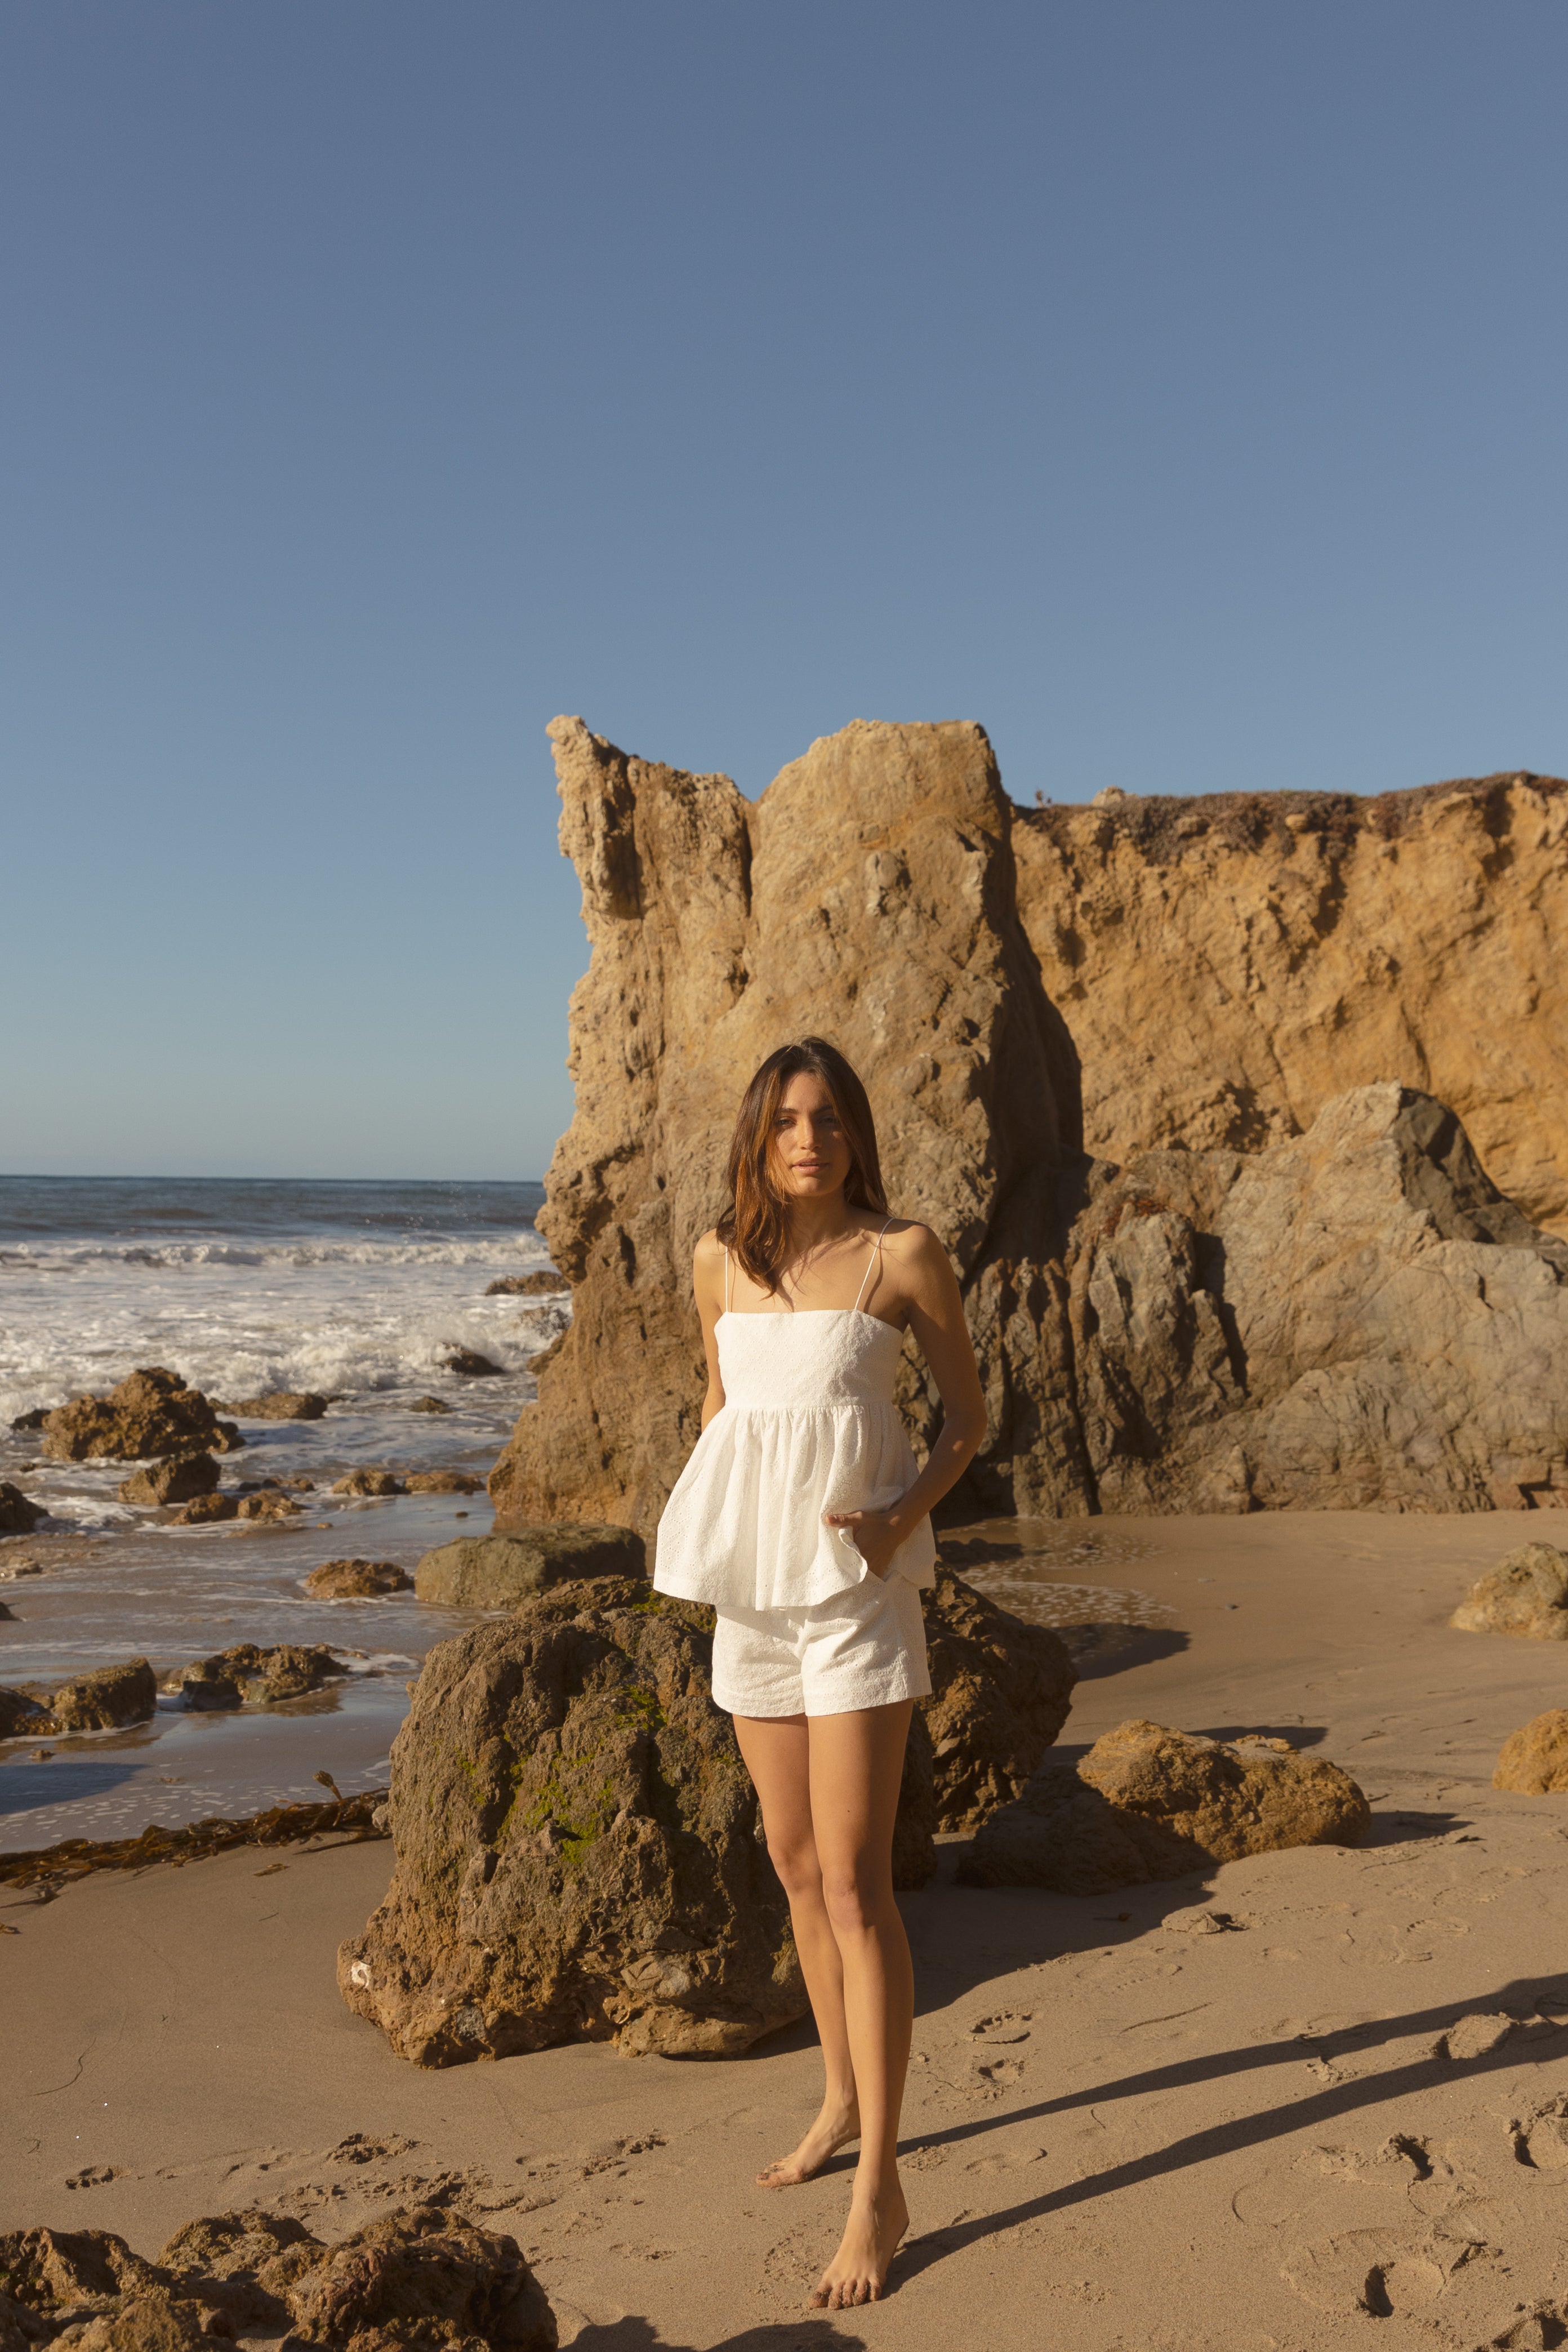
x: 357, y: 1291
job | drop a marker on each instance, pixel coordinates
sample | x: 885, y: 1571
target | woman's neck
x: 813, y: 1224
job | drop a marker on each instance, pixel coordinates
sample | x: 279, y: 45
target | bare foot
x: 858, y: 2271
x: 835, y: 2127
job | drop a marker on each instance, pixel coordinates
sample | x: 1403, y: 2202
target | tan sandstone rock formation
x: 1534, y: 1760
x: 1228, y: 965
x: 870, y: 893
x: 1353, y: 1315
x: 1527, y: 1593
x: 1147, y: 1802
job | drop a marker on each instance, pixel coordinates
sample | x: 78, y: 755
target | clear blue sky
x: 1178, y: 389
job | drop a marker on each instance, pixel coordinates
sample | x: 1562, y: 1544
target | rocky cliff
x: 1290, y: 1298
x: 1227, y: 964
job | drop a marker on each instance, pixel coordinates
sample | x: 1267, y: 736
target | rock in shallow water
x: 1147, y: 1802
x: 178, y: 1480
x: 264, y: 1676
x: 107, y: 1699
x: 18, y: 1517
x: 443, y: 1482
x: 357, y: 1579
x: 283, y: 1404
x: 499, y: 1572
x: 369, y: 1482
x: 150, y: 1415
x: 1527, y: 1593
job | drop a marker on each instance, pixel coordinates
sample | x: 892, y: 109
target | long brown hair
x: 755, y: 1225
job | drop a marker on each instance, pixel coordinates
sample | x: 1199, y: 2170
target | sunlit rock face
x: 1257, y: 1290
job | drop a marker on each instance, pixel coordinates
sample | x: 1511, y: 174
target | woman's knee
x: 856, y: 1898
x: 794, y: 1860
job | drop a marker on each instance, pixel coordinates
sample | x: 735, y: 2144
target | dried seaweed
x: 54, y: 1866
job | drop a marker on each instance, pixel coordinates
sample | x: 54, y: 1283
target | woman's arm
x: 708, y: 1283
x: 927, y: 1288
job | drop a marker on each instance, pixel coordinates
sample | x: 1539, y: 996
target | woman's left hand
x: 876, y: 1537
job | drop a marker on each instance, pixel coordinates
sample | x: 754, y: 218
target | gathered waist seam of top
x: 839, y: 1404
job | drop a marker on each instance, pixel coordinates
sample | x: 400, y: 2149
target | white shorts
x: 866, y: 1647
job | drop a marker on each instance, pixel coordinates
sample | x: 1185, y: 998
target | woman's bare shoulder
x: 710, y: 1250
x: 910, y: 1243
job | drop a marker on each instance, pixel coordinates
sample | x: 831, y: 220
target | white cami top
x: 808, y: 1425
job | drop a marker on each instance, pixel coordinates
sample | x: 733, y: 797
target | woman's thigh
x: 776, y: 1752
x: 856, y: 1763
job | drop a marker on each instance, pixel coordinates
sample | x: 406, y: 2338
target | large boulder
x: 579, y: 1853
x: 150, y: 1415
x: 1535, y: 1760
x: 498, y: 1571
x: 178, y: 1479
x: 107, y: 1699
x: 1001, y: 1690
x: 1251, y: 1315
x: 264, y: 1677
x: 1527, y: 1593
x: 18, y: 1517
x: 1147, y: 1802
x: 357, y: 1579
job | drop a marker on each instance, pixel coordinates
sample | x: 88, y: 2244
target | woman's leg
x: 776, y: 1754
x: 856, y: 1762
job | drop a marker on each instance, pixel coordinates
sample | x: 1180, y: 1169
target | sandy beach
x: 1336, y: 2116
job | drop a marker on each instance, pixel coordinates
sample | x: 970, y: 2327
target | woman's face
x: 811, y: 1150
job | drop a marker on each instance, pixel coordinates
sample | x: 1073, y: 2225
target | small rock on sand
x: 18, y: 1517
x: 1527, y: 1594
x: 177, y: 1480
x: 357, y: 1579
x: 369, y: 1482
x: 1534, y: 1760
x: 23, y: 1717
x: 1147, y: 1802
x: 443, y: 1482
x: 499, y: 1572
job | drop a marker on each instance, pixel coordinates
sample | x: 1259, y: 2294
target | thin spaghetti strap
x: 729, y: 1278
x: 874, y: 1259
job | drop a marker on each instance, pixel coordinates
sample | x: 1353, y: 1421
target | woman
x: 801, y: 1516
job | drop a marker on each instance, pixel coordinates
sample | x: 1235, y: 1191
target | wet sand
x: 1329, y: 2123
